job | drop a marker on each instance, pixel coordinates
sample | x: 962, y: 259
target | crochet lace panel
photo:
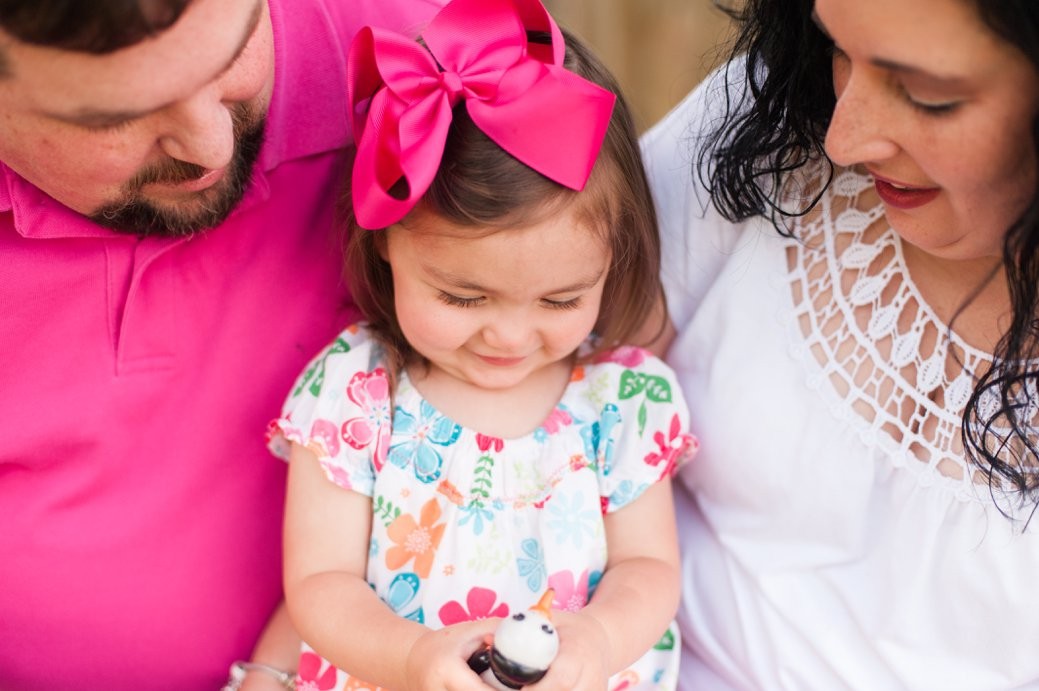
x: 864, y: 328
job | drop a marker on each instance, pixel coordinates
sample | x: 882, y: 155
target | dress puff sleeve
x: 642, y: 433
x: 339, y: 409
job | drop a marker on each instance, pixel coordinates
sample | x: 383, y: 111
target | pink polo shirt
x: 140, y: 512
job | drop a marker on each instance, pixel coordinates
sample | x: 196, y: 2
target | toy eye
x: 546, y: 628
x: 519, y: 617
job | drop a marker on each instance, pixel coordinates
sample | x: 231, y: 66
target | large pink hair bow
x: 517, y: 93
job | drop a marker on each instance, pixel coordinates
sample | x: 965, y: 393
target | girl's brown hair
x: 481, y: 186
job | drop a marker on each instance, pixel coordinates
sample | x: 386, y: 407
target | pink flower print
x: 629, y: 356
x: 627, y: 679
x: 672, y: 448
x: 481, y: 606
x: 337, y: 475
x: 485, y: 442
x: 325, y: 431
x: 308, y: 680
x: 569, y: 596
x: 556, y: 420
x: 371, y: 392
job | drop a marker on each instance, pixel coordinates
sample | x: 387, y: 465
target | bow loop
x: 402, y: 96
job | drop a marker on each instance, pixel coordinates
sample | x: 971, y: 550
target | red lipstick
x: 903, y: 196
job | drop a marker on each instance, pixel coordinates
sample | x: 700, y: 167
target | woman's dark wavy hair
x: 781, y: 127
x: 480, y: 186
x: 89, y: 26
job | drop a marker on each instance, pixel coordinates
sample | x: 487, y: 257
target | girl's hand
x: 438, y: 660
x: 583, y: 660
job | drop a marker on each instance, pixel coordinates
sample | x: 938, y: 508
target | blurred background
x: 658, y: 49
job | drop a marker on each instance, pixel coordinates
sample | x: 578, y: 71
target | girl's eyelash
x: 455, y: 301
x: 570, y: 304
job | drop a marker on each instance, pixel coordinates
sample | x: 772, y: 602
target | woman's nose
x: 860, y: 129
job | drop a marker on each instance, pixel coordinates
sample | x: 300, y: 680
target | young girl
x: 513, y: 252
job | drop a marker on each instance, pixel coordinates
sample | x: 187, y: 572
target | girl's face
x: 494, y: 310
x: 939, y: 110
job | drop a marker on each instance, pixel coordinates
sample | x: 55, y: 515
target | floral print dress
x: 468, y: 526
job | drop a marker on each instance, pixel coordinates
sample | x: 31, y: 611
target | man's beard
x: 135, y: 215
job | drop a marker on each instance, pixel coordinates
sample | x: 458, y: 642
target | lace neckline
x: 864, y: 327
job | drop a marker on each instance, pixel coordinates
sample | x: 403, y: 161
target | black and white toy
x: 524, y: 646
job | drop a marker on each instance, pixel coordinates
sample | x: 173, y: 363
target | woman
x: 863, y: 381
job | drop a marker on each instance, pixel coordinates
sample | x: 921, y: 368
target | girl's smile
x: 496, y: 311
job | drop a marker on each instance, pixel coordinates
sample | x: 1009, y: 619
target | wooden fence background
x: 658, y: 49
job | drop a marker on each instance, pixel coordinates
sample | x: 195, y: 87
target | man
x: 169, y: 171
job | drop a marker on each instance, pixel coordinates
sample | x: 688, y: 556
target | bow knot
x: 519, y: 95
x: 451, y: 82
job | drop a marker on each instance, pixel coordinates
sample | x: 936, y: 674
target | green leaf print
x: 631, y: 384
x: 666, y: 642
x: 658, y: 389
x: 315, y: 375
x: 482, y: 479
x: 383, y: 508
x: 642, y: 418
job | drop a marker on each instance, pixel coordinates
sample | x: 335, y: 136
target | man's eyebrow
x: 98, y: 117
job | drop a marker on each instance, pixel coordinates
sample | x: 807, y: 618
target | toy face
x: 528, y: 639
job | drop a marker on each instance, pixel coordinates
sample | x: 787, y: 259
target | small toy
x: 524, y: 646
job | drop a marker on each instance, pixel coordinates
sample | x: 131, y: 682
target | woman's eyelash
x: 930, y: 108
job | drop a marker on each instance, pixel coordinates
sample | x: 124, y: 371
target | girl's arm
x: 327, y: 531
x: 633, y: 603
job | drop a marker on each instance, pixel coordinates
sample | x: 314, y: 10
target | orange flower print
x: 355, y: 684
x: 418, y: 541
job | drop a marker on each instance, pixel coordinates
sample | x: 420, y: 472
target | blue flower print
x: 403, y: 589
x: 416, y: 439
x: 626, y: 492
x: 593, y: 582
x: 532, y: 566
x: 598, y: 436
x: 477, y: 514
x: 572, y: 522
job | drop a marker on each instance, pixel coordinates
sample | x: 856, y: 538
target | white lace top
x: 833, y: 535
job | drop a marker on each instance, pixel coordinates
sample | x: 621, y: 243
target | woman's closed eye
x: 929, y: 106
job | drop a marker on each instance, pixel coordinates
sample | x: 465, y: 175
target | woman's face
x: 939, y: 110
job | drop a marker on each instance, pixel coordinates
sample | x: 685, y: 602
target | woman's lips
x: 903, y: 196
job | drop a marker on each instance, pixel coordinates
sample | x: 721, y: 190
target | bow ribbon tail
x: 400, y: 117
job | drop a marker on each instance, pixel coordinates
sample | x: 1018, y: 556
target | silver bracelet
x: 239, y: 668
